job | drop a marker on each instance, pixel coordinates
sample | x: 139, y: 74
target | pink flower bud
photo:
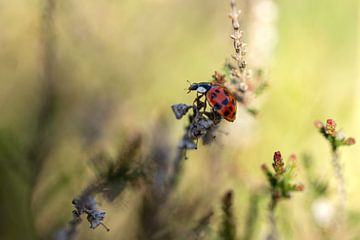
x: 350, y: 141
x: 300, y: 187
x: 277, y: 156
x: 278, y: 163
x: 330, y: 127
x: 293, y: 157
x: 318, y: 124
x: 331, y: 122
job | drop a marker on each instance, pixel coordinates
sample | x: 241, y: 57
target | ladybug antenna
x: 188, y: 88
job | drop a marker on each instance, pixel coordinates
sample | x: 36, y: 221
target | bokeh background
x: 80, y: 77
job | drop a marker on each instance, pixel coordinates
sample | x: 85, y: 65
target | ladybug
x: 219, y: 97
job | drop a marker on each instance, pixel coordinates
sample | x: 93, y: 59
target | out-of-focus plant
x: 201, y: 230
x: 321, y: 208
x: 252, y: 214
x: 113, y: 175
x: 336, y: 139
x: 281, y: 186
x: 228, y: 226
x: 317, y: 187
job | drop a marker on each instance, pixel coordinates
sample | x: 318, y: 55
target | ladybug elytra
x: 219, y: 97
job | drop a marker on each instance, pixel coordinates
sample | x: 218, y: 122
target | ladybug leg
x: 197, y: 103
x: 205, y: 105
x: 196, y: 100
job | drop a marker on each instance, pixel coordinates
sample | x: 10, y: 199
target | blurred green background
x: 76, y: 77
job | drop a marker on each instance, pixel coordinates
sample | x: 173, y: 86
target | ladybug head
x: 202, y: 87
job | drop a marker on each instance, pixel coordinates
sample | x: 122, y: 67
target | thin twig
x: 239, y: 45
x: 342, y: 196
x: 42, y: 142
x: 273, y: 234
x: 228, y: 225
x: 252, y: 216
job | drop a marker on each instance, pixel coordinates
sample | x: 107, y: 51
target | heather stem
x: 252, y: 216
x: 239, y: 45
x: 272, y: 235
x: 341, y: 187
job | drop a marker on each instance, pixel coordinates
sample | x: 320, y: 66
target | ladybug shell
x: 222, y: 101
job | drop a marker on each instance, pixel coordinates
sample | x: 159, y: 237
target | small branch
x: 42, y: 143
x: 281, y: 187
x: 336, y: 139
x: 239, y: 45
x: 273, y: 234
x: 228, y: 225
x: 252, y: 216
x: 202, y: 225
x: 113, y: 177
x: 342, y: 196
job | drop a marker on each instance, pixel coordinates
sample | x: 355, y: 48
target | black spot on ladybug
x: 226, y: 92
x: 217, y: 90
x: 225, y: 102
x: 233, y: 101
x: 230, y: 109
x: 226, y: 113
x: 213, y: 95
x: 217, y: 106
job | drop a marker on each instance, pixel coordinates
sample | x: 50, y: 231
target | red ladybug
x: 219, y: 97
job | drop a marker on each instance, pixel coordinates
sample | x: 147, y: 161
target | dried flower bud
x: 218, y: 77
x: 86, y: 204
x: 180, y: 109
x: 187, y: 143
x: 95, y: 218
x: 200, y: 127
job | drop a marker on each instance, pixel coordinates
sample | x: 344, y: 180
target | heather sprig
x: 202, y: 227
x: 335, y: 137
x: 252, y: 215
x: 281, y: 180
x: 113, y: 175
x: 281, y: 186
x: 228, y: 226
